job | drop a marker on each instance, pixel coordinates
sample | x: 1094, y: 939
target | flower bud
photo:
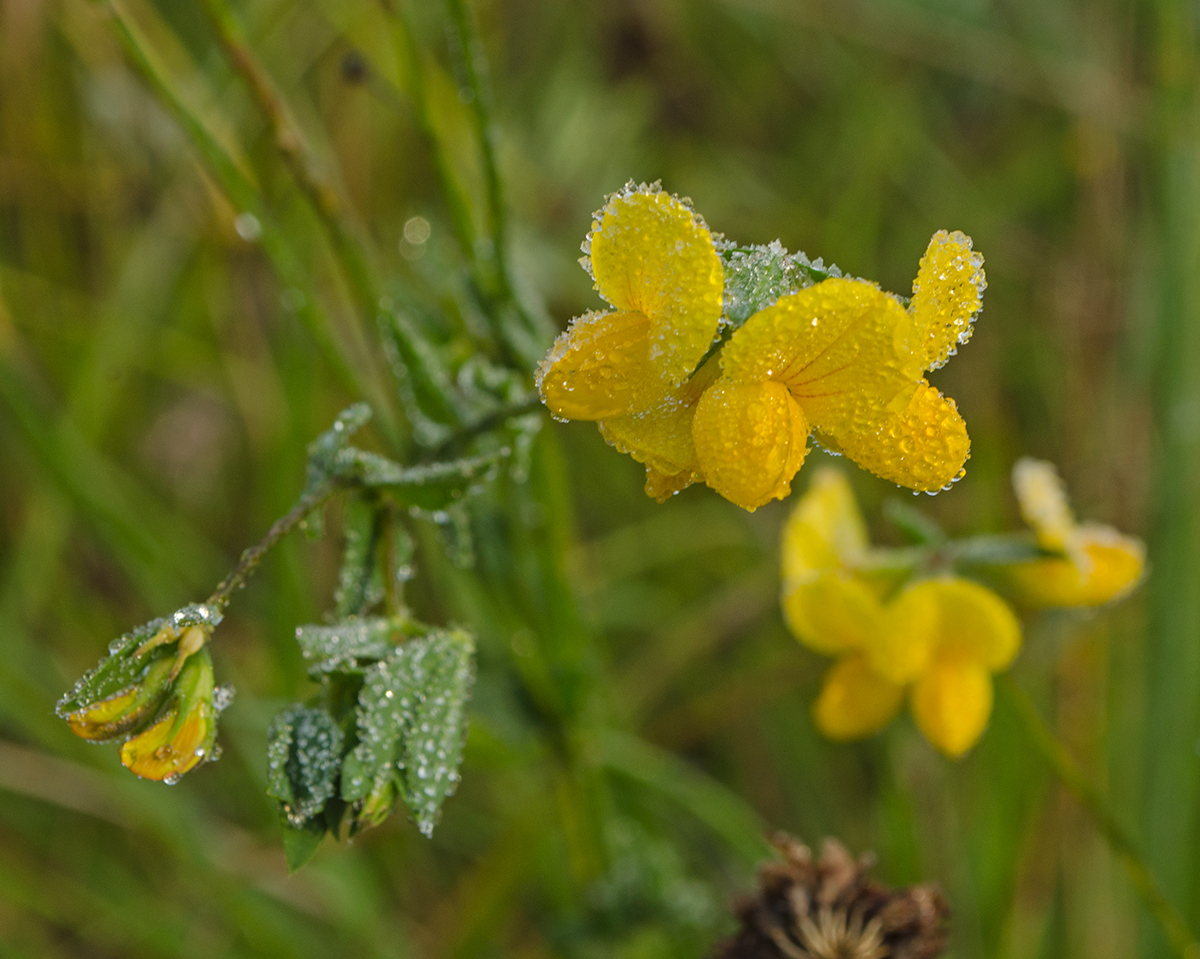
x: 183, y: 736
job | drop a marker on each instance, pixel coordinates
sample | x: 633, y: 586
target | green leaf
x: 348, y: 647
x: 757, y: 276
x: 304, y: 758
x: 912, y: 524
x: 300, y: 843
x: 431, y: 486
x: 360, y: 580
x: 324, y: 450
x: 411, y: 724
x: 433, y: 744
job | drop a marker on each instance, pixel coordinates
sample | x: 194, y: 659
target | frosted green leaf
x: 411, y: 723
x: 757, y: 276
x: 433, y: 745
x: 360, y: 580
x: 348, y: 647
x: 431, y: 486
x: 304, y: 757
x: 323, y: 451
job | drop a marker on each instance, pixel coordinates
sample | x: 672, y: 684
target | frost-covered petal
x: 836, y: 339
x: 923, y: 445
x: 650, y: 253
x: 832, y: 613
x: 750, y: 440
x: 661, y: 436
x: 1104, y: 565
x: 952, y: 702
x: 947, y: 296
x: 825, y: 530
x: 600, y: 367
x: 855, y: 701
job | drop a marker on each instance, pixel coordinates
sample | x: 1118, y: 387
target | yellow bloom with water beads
x: 840, y: 359
x: 654, y: 261
x: 1097, y: 564
x: 847, y: 361
x: 940, y: 639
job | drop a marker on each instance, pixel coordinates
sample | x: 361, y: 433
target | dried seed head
x: 830, y: 909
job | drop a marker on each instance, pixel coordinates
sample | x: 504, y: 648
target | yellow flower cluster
x: 1097, y: 564
x: 942, y: 638
x: 841, y: 360
x: 939, y: 638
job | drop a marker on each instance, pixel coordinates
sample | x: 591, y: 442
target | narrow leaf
x: 431, y: 486
x: 360, y: 581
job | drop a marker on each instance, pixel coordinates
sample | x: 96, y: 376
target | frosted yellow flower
x: 846, y: 361
x: 939, y: 638
x: 652, y: 259
x: 1098, y: 564
x: 842, y: 359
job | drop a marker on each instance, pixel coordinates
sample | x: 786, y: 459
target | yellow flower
x: 183, y: 736
x: 845, y: 360
x: 841, y: 359
x: 654, y: 261
x: 1098, y: 564
x: 940, y: 638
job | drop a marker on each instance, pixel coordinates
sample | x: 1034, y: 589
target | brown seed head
x: 830, y: 908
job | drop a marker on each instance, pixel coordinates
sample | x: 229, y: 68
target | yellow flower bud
x: 184, y: 735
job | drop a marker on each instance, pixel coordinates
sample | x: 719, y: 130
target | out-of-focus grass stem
x: 246, y: 197
x: 1115, y: 834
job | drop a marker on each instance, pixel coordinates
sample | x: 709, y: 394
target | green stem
x: 315, y: 498
x: 1118, y: 838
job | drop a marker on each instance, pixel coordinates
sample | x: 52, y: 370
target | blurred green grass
x: 156, y: 397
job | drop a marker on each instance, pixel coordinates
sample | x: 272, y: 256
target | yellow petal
x: 946, y: 616
x: 923, y: 446
x: 855, y: 701
x: 650, y: 253
x: 832, y: 613
x: 908, y: 635
x: 600, y: 368
x: 951, y: 704
x: 825, y: 530
x: 1104, y: 566
x: 1042, y: 499
x: 750, y: 440
x: 171, y: 747
x: 947, y: 295
x: 836, y: 339
x: 661, y: 436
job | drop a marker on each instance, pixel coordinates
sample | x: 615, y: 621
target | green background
x: 641, y: 714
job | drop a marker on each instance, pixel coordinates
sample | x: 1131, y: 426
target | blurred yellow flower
x: 184, y: 735
x: 940, y: 638
x: 1098, y: 564
x: 842, y: 359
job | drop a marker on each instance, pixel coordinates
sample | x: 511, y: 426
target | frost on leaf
x: 411, y: 726
x: 323, y: 451
x: 304, y: 755
x: 429, y: 486
x: 360, y: 580
x: 347, y: 647
x: 758, y: 276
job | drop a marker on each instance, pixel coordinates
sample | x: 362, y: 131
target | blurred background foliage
x: 641, y: 715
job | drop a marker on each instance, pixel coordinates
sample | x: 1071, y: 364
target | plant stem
x: 1093, y: 803
x: 313, y: 499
